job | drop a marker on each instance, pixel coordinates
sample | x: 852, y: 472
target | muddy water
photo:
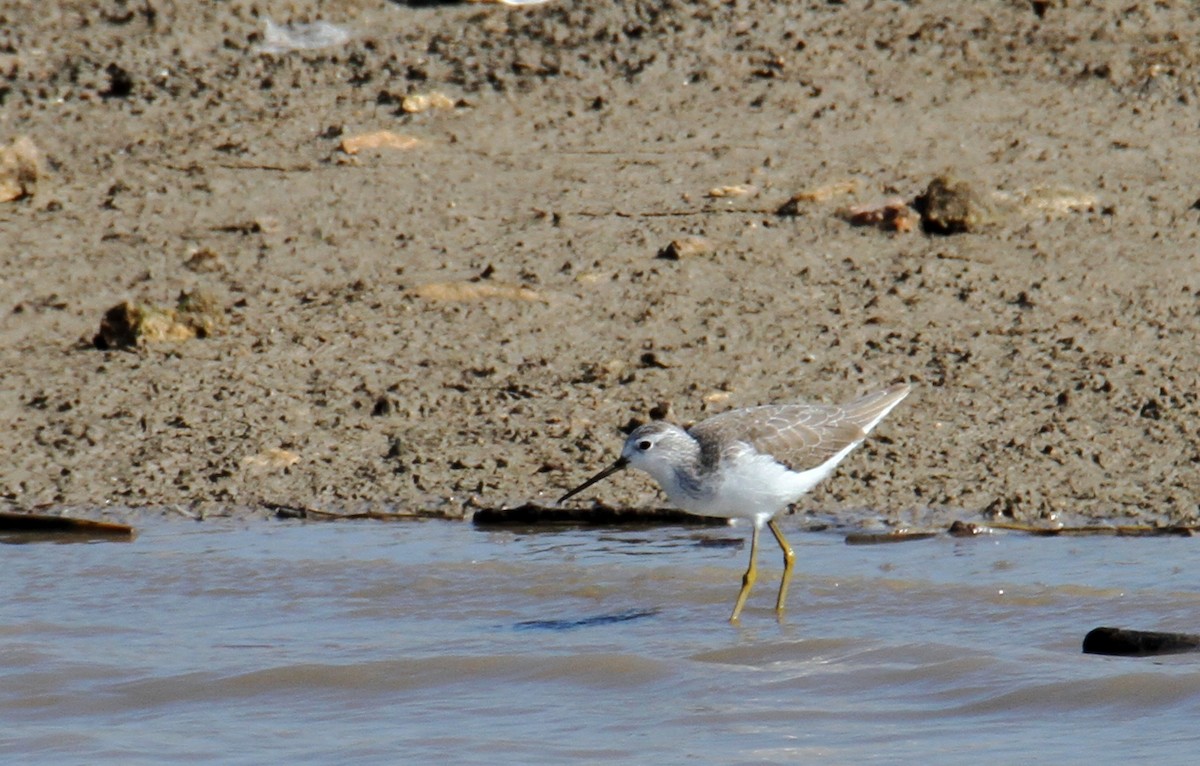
x: 287, y: 642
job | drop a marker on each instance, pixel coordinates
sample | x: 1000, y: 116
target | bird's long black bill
x: 621, y: 463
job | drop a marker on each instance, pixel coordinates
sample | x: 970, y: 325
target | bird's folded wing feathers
x: 801, y: 436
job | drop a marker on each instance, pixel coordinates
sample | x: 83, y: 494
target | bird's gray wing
x: 800, y: 436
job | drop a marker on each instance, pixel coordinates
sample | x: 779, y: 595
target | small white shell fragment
x: 283, y: 38
x: 735, y: 190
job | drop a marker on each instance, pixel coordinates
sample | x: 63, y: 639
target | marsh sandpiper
x: 751, y: 463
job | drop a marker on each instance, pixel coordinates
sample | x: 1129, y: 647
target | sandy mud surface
x: 464, y: 312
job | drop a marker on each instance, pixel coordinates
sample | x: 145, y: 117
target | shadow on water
x: 586, y: 622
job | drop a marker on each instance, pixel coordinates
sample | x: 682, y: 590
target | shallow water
x: 365, y: 642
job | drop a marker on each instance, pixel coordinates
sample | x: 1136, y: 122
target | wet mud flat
x: 438, y: 265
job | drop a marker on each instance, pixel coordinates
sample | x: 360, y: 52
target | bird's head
x: 656, y: 448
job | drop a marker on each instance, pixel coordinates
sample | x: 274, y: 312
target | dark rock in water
x: 965, y: 529
x: 1138, y: 643
x: 593, y: 515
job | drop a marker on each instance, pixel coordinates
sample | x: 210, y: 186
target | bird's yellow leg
x: 789, y: 558
x: 748, y: 578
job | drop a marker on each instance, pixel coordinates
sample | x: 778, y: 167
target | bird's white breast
x: 745, y: 485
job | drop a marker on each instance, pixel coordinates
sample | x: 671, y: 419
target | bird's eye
x: 645, y: 444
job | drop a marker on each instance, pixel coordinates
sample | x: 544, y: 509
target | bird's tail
x: 872, y: 408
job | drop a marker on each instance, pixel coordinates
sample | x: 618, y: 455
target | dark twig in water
x: 971, y: 529
x: 285, y: 511
x: 37, y: 524
x: 1120, y: 642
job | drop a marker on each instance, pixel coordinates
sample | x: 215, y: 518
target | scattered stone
x: 613, y: 369
x: 460, y: 292
x: 716, y: 397
x: 273, y: 458
x: 196, y: 315
x: 818, y: 194
x: 380, y: 139
x: 685, y: 247
x: 591, y: 278
x: 120, y: 82
x: 265, y: 224
x: 129, y: 324
x: 383, y: 407
x: 204, y: 261
x: 1054, y: 202
x: 203, y: 312
x: 423, y: 102
x: 826, y: 192
x: 736, y: 190
x: 951, y: 206
x: 20, y: 168
x: 651, y: 360
x: 889, y: 215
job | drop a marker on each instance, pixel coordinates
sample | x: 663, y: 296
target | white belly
x: 751, y: 486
